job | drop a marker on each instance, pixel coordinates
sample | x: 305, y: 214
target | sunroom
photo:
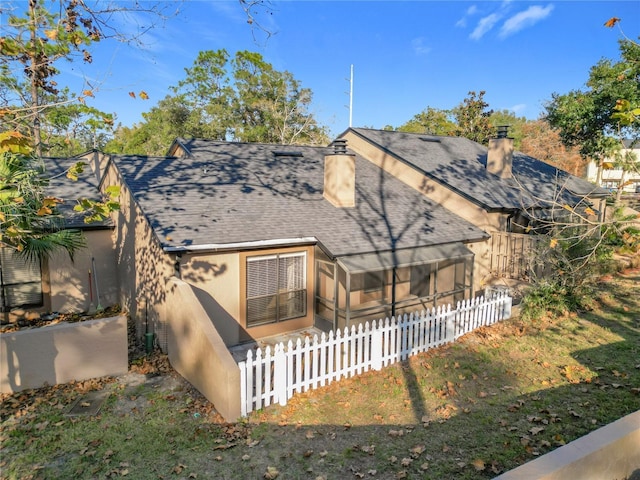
x: 357, y: 288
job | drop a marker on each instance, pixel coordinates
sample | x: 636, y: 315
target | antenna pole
x: 351, y: 98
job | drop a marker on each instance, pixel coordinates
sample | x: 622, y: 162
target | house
x: 274, y: 238
x: 501, y: 191
x: 59, y: 283
x: 221, y: 243
x: 612, y: 177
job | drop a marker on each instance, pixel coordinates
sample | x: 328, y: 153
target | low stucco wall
x: 197, y: 352
x: 609, y: 453
x: 62, y: 353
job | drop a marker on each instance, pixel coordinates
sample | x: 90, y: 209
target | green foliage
x: 571, y: 260
x: 31, y: 224
x: 243, y: 99
x: 590, y: 118
x: 30, y: 221
x: 431, y: 121
x: 473, y: 120
x: 546, y: 296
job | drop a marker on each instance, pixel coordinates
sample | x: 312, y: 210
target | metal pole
x: 351, y: 98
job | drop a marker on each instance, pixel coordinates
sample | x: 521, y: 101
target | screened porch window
x: 276, y: 288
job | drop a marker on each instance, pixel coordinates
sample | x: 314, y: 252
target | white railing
x: 275, y: 375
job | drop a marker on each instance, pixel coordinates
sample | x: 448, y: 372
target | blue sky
x: 405, y: 55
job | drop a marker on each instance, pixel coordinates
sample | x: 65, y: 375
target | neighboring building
x: 501, y: 191
x: 612, y: 177
x: 59, y: 283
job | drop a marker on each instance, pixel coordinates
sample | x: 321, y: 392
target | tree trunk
x: 33, y: 79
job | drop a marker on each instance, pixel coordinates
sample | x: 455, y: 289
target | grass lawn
x: 495, y: 399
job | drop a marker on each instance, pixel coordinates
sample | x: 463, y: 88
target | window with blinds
x: 276, y: 288
x: 20, y: 281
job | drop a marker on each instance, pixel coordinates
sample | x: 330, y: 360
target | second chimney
x: 500, y: 154
x: 340, y: 176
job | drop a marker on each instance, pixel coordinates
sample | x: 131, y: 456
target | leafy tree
x: 540, y: 141
x: 242, y: 99
x: 584, y: 118
x: 431, y: 121
x: 207, y: 95
x: 30, y: 221
x: 473, y: 120
x: 271, y: 106
x: 33, y: 42
x: 39, y: 116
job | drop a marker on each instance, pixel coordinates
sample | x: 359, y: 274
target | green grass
x: 495, y: 399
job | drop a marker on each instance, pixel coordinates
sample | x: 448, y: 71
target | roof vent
x: 503, y: 131
x: 340, y: 146
x: 279, y: 153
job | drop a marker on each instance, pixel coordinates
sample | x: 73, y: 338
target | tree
x: 540, y: 141
x: 29, y: 220
x: 243, y: 99
x: 473, y: 120
x: 271, y: 106
x: 34, y: 41
x: 584, y: 118
x: 38, y: 112
x: 431, y: 121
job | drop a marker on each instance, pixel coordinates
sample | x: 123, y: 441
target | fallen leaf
x: 271, y: 473
x: 478, y: 464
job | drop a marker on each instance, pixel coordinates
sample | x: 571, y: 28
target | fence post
x: 243, y: 388
x: 376, y: 347
x: 507, y: 302
x: 450, y: 317
x: 280, y: 373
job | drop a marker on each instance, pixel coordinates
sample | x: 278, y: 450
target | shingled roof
x: 225, y: 193
x: 460, y: 164
x: 86, y: 186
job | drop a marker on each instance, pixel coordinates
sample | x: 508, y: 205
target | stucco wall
x: 611, y: 452
x: 216, y: 282
x: 198, y: 352
x: 72, y: 284
x: 63, y: 352
x: 143, y: 268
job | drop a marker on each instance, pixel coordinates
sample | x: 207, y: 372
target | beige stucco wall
x: 198, y: 352
x: 216, y: 283
x: 68, y: 281
x: 143, y: 268
x: 611, y: 452
x: 63, y: 352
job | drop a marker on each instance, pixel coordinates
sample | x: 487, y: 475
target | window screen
x: 20, y: 281
x: 276, y: 288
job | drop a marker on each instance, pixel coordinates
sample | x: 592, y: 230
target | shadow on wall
x: 227, y: 327
x: 19, y: 361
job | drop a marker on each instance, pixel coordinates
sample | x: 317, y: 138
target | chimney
x: 500, y: 154
x: 340, y: 176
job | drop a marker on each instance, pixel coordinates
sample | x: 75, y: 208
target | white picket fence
x: 275, y: 375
